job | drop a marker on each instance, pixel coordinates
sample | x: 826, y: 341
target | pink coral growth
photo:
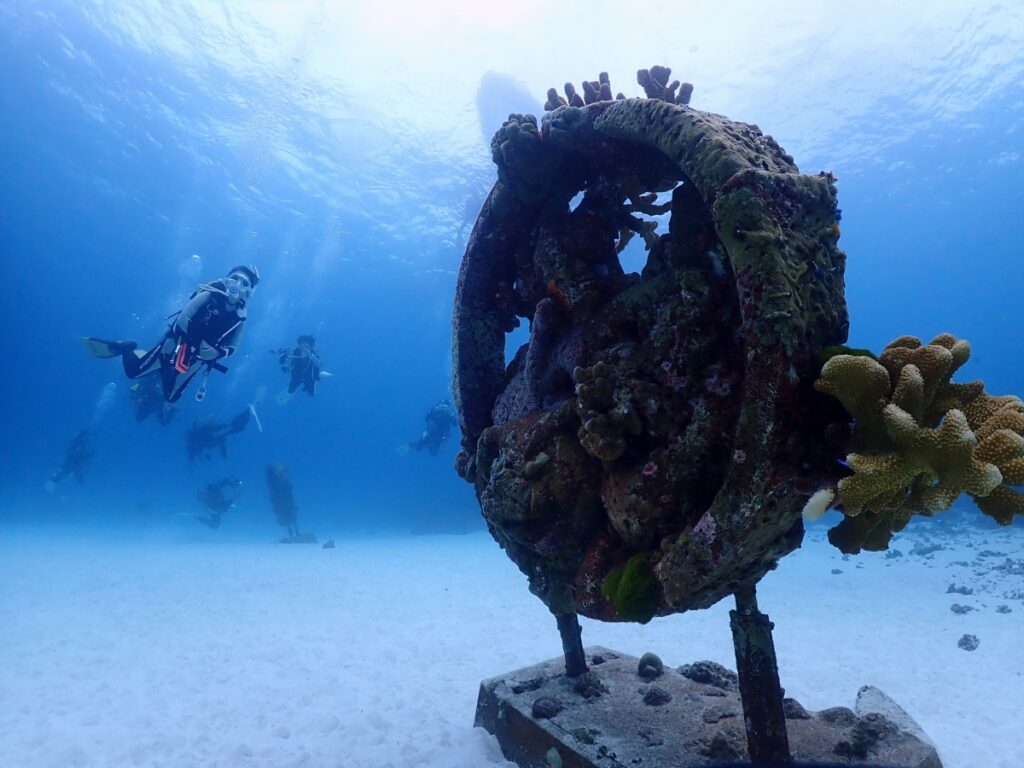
x: 718, y: 383
x: 704, y: 530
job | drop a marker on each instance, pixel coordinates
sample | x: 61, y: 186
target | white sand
x: 215, y: 653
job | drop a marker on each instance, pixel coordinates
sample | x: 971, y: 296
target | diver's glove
x: 209, y: 353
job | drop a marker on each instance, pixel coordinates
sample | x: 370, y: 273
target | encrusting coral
x: 921, y: 440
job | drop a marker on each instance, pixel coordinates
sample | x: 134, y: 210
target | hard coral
x: 921, y: 440
x: 655, y: 83
x: 604, y: 401
x: 524, y: 162
x: 593, y: 91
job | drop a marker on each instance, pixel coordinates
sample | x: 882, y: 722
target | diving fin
x: 256, y: 417
x: 102, y: 348
x: 284, y: 396
x: 261, y: 392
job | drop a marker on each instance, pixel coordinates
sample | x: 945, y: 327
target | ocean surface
x: 343, y: 148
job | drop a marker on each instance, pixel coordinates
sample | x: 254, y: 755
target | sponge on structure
x: 633, y: 590
x: 921, y: 440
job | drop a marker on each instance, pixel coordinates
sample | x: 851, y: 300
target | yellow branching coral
x: 944, y: 455
x: 921, y: 440
x: 1002, y: 504
x: 863, y: 387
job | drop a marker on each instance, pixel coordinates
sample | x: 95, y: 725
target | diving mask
x: 238, y: 287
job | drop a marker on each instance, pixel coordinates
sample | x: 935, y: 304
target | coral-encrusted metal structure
x: 650, y: 449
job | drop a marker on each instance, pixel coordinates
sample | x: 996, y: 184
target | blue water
x: 137, y: 138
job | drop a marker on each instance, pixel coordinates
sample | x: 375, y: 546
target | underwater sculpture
x: 283, y: 502
x: 653, y: 446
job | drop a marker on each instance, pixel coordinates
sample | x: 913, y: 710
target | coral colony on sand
x: 283, y: 502
x: 654, y: 445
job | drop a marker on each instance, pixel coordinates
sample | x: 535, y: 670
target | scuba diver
x: 148, y: 399
x: 206, y: 434
x: 302, y: 363
x: 205, y: 330
x: 76, y: 460
x: 213, y: 497
x: 440, y: 420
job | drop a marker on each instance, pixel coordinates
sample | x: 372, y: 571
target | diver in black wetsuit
x: 149, y: 400
x: 440, y: 420
x: 206, y: 329
x: 302, y: 363
x: 213, y: 497
x: 206, y: 434
x: 76, y: 460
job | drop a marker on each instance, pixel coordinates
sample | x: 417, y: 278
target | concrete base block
x: 614, y: 718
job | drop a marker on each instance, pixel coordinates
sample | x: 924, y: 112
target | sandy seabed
x: 208, y: 652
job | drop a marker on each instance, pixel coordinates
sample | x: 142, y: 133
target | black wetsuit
x: 149, y: 400
x: 204, y: 436
x: 440, y: 420
x: 302, y: 363
x: 208, y: 317
x: 76, y: 460
x: 212, y: 496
